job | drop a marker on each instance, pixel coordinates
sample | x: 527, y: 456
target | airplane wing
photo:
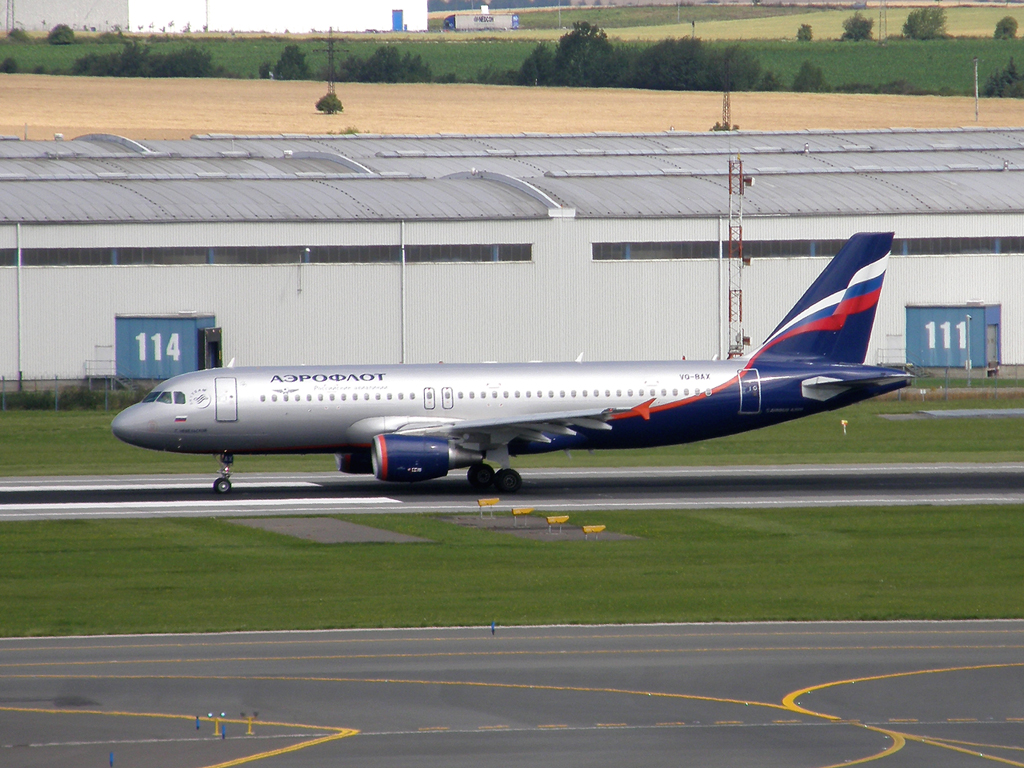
x: 484, y: 434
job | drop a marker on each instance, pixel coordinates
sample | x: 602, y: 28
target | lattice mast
x: 736, y: 260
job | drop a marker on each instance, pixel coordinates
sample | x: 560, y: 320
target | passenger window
x: 320, y: 397
x: 367, y: 396
x: 179, y: 398
x: 494, y: 393
x: 584, y: 393
x: 528, y: 394
x: 332, y: 397
x: 343, y: 396
x: 401, y: 395
x: 505, y: 395
x: 552, y: 394
x: 630, y: 393
x: 471, y: 395
x: 460, y: 395
x: 274, y: 398
x: 686, y: 392
x: 618, y: 393
x: 389, y: 395
x: 517, y: 394
x: 675, y: 392
x: 561, y: 393
x: 263, y: 398
x: 309, y: 398
x: 412, y: 395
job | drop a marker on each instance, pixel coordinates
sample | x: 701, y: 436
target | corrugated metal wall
x: 554, y: 308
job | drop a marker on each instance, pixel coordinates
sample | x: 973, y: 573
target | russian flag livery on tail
x: 408, y: 423
x: 833, y: 319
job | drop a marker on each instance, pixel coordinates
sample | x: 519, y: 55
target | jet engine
x: 409, y: 458
x: 354, y: 463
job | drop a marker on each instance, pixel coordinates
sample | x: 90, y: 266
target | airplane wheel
x: 507, y: 481
x: 221, y: 485
x: 480, y: 476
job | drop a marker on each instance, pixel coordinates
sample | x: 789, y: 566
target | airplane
x: 414, y: 422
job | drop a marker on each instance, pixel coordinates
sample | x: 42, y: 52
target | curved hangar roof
x: 102, y: 178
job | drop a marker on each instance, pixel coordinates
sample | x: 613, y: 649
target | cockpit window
x: 151, y: 397
x: 165, y: 397
x: 179, y: 398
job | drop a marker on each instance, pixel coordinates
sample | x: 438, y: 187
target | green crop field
x: 711, y: 565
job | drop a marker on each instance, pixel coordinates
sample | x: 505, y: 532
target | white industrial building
x: 516, y: 247
x: 299, y: 16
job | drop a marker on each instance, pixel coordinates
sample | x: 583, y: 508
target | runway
x: 774, y: 694
x: 544, y: 489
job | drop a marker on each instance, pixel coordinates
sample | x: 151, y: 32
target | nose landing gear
x: 223, y: 483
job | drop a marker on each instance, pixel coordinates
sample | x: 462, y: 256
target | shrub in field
x: 810, y: 79
x: 9, y: 66
x: 673, y: 65
x: 539, y: 67
x: 769, y: 82
x: 734, y: 68
x: 137, y: 60
x: 925, y: 24
x: 586, y: 58
x: 857, y: 27
x: 1007, y: 83
x: 264, y: 70
x: 804, y: 34
x: 1006, y: 28
x: 386, y: 65
x: 62, y: 34
x: 329, y: 104
x: 292, y: 65
x: 19, y: 36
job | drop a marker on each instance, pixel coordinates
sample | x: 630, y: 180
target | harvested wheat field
x: 39, y: 106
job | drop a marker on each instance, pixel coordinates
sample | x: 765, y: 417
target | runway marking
x: 316, y: 637
x: 899, y: 739
x: 498, y: 654
x: 435, y: 728
x: 560, y: 725
x: 902, y: 719
x: 492, y: 727
x: 338, y: 733
x: 225, y: 505
x: 611, y: 725
x: 182, y: 486
x: 961, y: 719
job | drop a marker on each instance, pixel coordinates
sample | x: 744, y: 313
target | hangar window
x: 653, y: 251
x: 765, y: 249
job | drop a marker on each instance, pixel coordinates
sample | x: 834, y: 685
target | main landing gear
x: 482, y: 476
x: 223, y: 483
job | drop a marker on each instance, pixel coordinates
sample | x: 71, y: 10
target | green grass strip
x: 80, y: 443
x: 188, y: 575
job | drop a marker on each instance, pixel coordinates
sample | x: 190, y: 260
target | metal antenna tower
x: 883, y: 30
x: 330, y: 59
x: 736, y: 260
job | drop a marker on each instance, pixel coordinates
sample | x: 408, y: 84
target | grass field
x: 209, y: 575
x: 76, y: 443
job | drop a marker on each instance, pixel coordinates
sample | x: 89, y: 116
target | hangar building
x: 299, y: 16
x: 318, y: 249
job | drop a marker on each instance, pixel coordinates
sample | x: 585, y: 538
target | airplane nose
x: 130, y: 426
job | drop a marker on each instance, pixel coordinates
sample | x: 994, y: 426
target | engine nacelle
x: 354, y: 463
x: 409, y: 458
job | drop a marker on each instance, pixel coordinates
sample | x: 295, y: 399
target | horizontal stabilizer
x: 824, y: 388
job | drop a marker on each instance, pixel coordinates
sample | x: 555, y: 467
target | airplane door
x: 446, y: 398
x: 750, y: 391
x: 428, y: 398
x: 227, y: 398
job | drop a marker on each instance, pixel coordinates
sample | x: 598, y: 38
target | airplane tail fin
x: 834, y: 317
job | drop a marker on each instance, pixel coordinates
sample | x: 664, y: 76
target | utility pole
x: 975, y: 89
x: 736, y: 259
